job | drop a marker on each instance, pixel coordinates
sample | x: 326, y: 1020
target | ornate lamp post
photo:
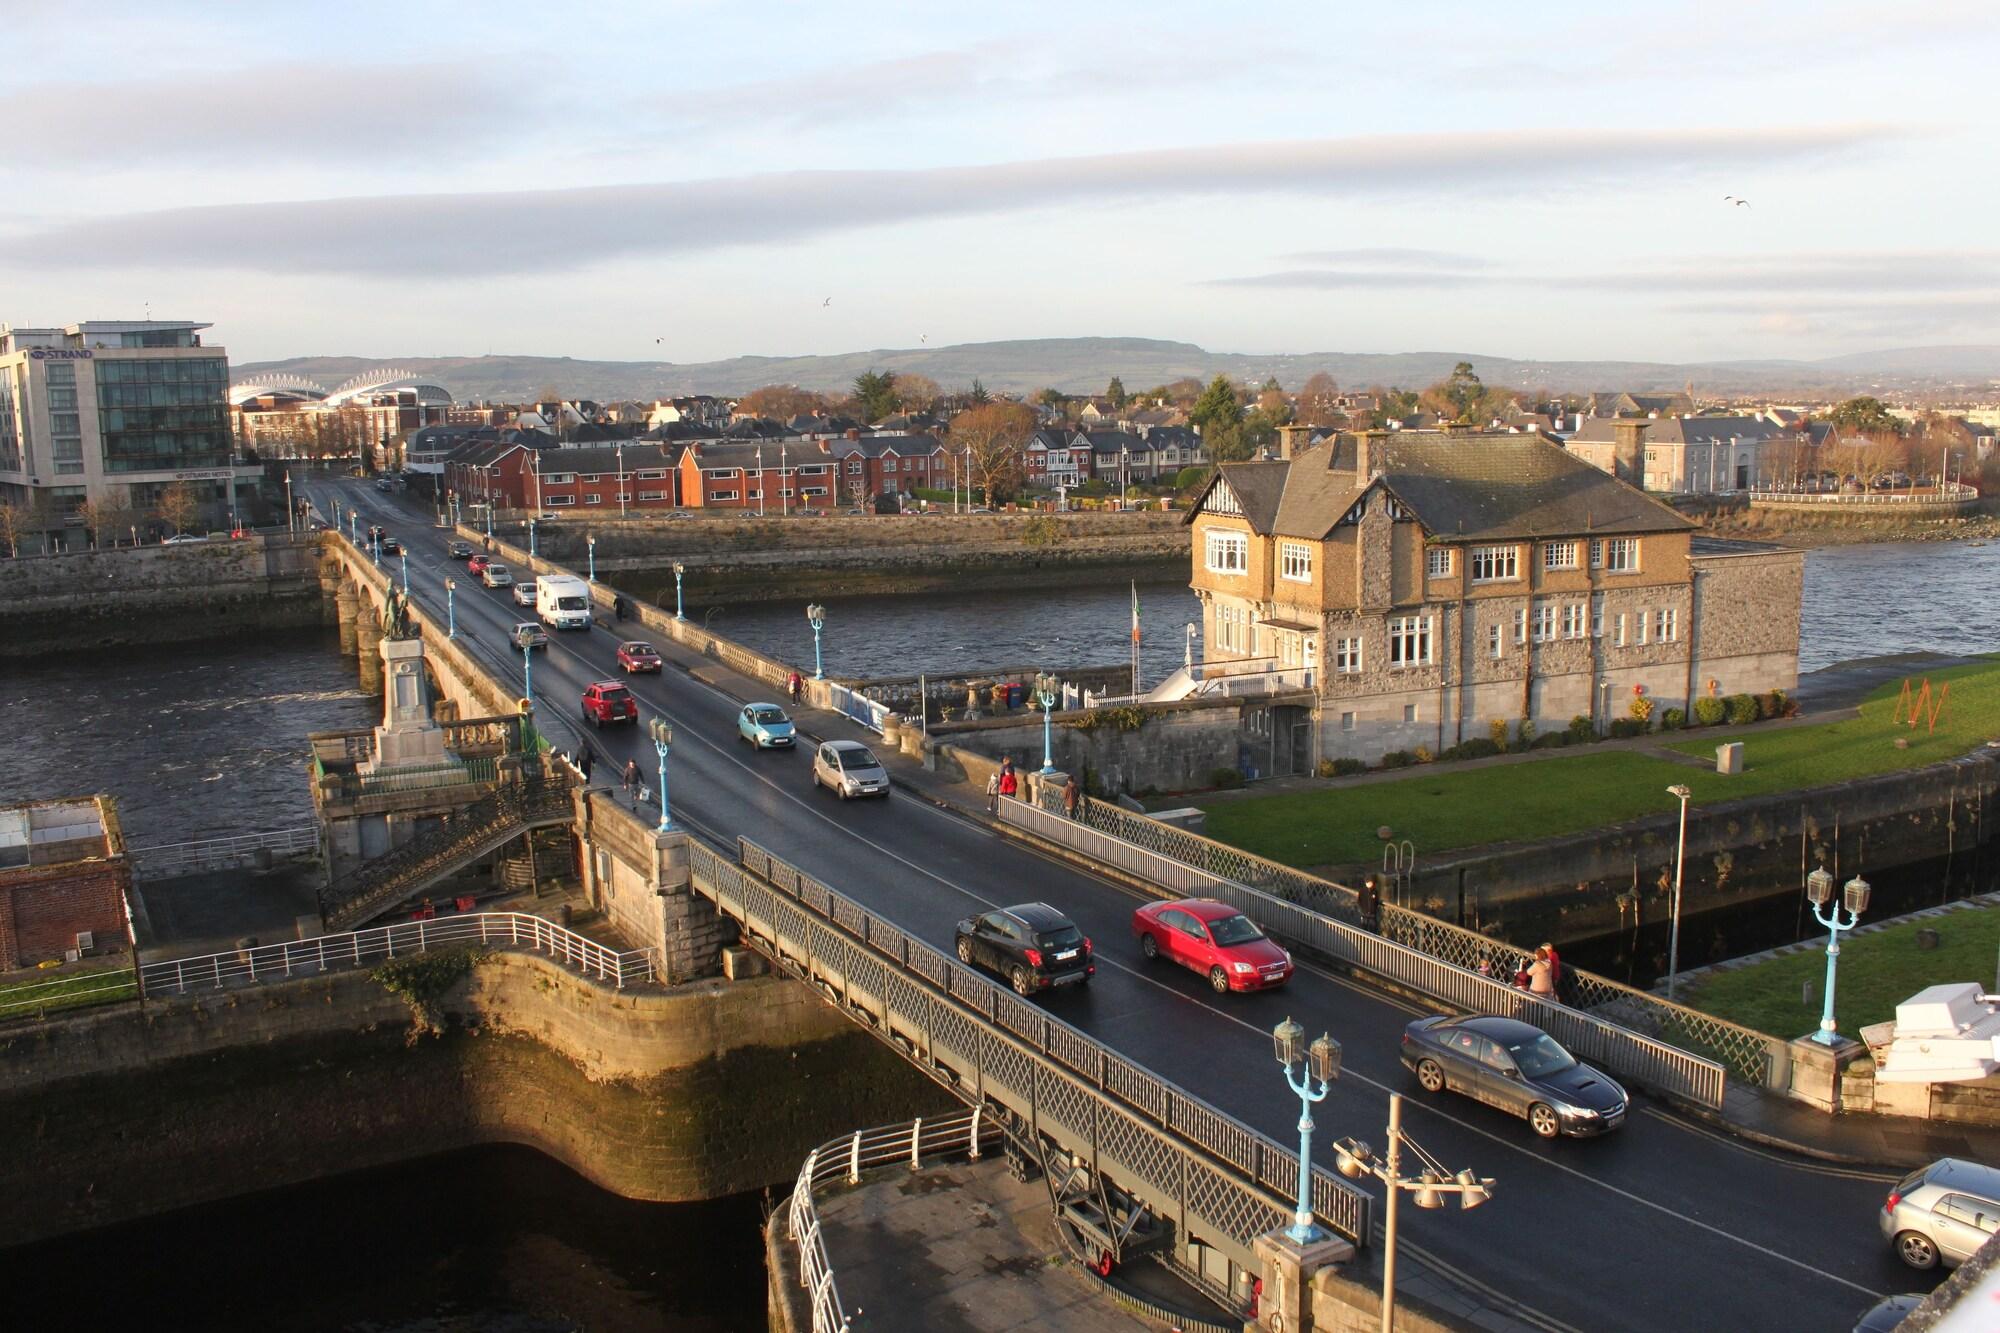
x: 679, y: 569
x: 663, y: 740
x: 1354, y: 1159
x: 591, y: 542
x: 1045, y: 696
x: 1819, y: 891
x: 1187, y: 659
x: 375, y: 548
x: 816, y: 617
x: 403, y: 556
x: 450, y: 610
x: 1319, y: 1061
x: 528, y: 673
x: 531, y: 537
x: 353, y: 527
x: 1680, y: 860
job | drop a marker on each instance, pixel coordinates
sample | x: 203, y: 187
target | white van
x: 562, y: 601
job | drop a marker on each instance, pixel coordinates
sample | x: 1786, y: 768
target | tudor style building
x: 1433, y: 583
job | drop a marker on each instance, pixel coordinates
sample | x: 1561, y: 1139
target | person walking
x: 1010, y: 785
x: 1072, y: 796
x: 631, y: 781
x: 796, y: 685
x: 993, y: 792
x: 1556, y: 972
x: 1541, y: 978
x: 583, y: 763
x: 1369, y: 904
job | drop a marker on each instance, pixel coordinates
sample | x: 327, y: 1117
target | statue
x: 396, y: 617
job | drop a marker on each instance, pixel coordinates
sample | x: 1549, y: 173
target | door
x: 1500, y: 1080
x: 1461, y: 1061
x: 1742, y: 476
x: 1962, y: 1224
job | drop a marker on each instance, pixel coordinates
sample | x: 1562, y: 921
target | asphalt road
x: 1665, y: 1225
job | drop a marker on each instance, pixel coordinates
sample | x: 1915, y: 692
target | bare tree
x: 917, y: 392
x: 178, y: 506
x: 991, y: 439
x: 780, y: 402
x: 857, y: 489
x: 97, y: 515
x: 13, y: 522
x: 1319, y: 400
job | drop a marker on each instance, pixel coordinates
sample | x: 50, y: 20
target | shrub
x: 1524, y: 734
x: 1642, y: 707
x: 1398, y: 759
x: 1708, y: 710
x: 1742, y: 708
x: 1042, y: 530
x: 1422, y: 754
x: 1581, y: 729
x: 1771, y: 704
x: 1326, y: 768
x: 1224, y: 778
x: 1623, y: 727
x: 1552, y: 740
x: 1673, y: 719
x: 1500, y: 732
x: 1348, y: 767
x: 1479, y: 747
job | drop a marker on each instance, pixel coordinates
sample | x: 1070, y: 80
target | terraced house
x: 1431, y: 583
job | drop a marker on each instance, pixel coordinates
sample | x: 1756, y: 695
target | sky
x: 692, y: 181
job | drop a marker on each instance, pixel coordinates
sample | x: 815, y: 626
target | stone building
x: 1428, y: 584
x: 63, y: 882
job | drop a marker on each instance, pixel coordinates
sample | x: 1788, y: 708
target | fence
x: 1207, y: 1172
x: 858, y: 706
x: 1413, y: 950
x: 1950, y: 493
x: 180, y: 858
x: 844, y: 1160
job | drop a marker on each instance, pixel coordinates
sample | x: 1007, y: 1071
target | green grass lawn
x: 1570, y: 791
x: 1878, y: 971
x: 29, y: 994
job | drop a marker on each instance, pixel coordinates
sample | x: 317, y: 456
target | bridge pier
x: 641, y: 878
x: 346, y: 608
x: 368, y: 649
x: 1287, y: 1304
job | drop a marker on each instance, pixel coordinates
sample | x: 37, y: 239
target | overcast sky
x: 694, y: 181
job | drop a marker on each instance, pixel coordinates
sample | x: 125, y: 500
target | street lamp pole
x: 784, y: 494
x: 591, y: 542
x: 1319, y: 1061
x: 679, y: 569
x: 528, y: 673
x: 663, y: 740
x: 621, y: 481
x: 1680, y: 860
x: 1187, y: 660
x: 531, y: 538
x: 816, y: 617
x: 762, y: 483
x: 450, y: 609
x: 291, y: 511
x: 403, y: 556
x: 1045, y: 695
x: 1819, y: 890
x: 353, y: 527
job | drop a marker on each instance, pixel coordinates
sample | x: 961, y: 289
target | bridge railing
x: 1322, y: 917
x: 1216, y: 1177
x: 178, y: 858
x: 844, y: 1160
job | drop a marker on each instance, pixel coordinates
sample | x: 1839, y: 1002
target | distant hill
x: 1079, y: 365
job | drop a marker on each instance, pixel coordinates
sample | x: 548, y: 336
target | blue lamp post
x: 353, y: 528
x: 404, y: 556
x: 450, y: 611
x: 528, y: 673
x: 1319, y: 1061
x: 375, y: 548
x: 663, y: 741
x: 531, y: 537
x: 816, y: 617
x: 1045, y: 696
x: 591, y: 542
x: 1819, y: 891
x: 679, y: 569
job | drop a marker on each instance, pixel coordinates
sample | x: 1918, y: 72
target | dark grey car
x: 1517, y: 1067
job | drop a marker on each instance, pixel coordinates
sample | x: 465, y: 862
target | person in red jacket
x: 1010, y: 785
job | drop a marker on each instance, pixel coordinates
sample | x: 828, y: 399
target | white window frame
x: 1503, y: 564
x: 1575, y: 620
x: 1618, y: 634
x: 558, y: 501
x: 722, y: 495
x: 1495, y: 642
x: 593, y: 499
x: 1347, y: 721
x: 651, y: 495
x: 593, y: 477
x: 813, y: 490
x: 1437, y: 562
x: 1621, y: 555
x: 1228, y: 552
x: 1545, y: 622
x: 1597, y: 616
x: 1559, y: 555
x: 1411, y: 643
x: 1347, y: 656
x: 1645, y: 627
x: 1596, y: 553
x: 1668, y: 627
x: 1520, y: 626
x: 721, y: 473
x: 1295, y: 561
x: 559, y: 479
x: 652, y: 474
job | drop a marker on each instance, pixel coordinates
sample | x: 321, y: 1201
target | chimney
x: 1628, y: 455
x: 853, y: 434
x: 1293, y: 440
x: 1368, y: 454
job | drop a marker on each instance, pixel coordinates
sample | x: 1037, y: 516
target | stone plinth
x: 1817, y: 1069
x: 1288, y: 1268
x: 407, y: 736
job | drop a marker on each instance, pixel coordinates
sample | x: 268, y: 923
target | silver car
x: 528, y: 634
x: 524, y: 592
x: 849, y: 768
x: 1942, y: 1213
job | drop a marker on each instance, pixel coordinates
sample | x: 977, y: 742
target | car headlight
x: 1580, y: 1113
x: 1242, y: 967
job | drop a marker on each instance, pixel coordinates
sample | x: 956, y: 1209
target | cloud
x: 546, y: 230
x: 1389, y: 255
x: 1837, y: 271
x: 1320, y: 279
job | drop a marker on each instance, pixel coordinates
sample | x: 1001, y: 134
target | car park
x: 635, y: 657
x: 477, y: 564
x: 1517, y: 1068
x: 1213, y: 939
x: 1943, y: 1213
x: 765, y: 726
x: 460, y: 550
x: 1032, y: 945
x: 528, y: 634
x: 524, y: 592
x: 848, y: 769
x: 609, y: 701
x: 496, y: 576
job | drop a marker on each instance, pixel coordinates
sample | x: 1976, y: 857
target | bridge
x: 1610, y: 1233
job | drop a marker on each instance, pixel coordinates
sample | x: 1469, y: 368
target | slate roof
x: 1687, y: 430
x: 1112, y: 442
x: 647, y: 454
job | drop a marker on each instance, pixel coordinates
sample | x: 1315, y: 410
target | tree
x: 1182, y: 392
x: 875, y: 393
x: 1865, y: 415
x: 780, y: 402
x: 990, y: 438
x: 97, y: 515
x: 980, y: 397
x: 1459, y: 397
x: 1271, y: 401
x: 13, y: 522
x: 178, y: 506
x: 857, y: 489
x: 1217, y: 406
x: 917, y: 393
x: 1053, y: 399
x: 1115, y: 391
x: 1319, y: 401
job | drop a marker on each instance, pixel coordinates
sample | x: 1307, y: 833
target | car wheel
x: 1149, y: 946
x: 1218, y: 981
x: 965, y: 951
x: 842, y: 792
x: 1021, y: 981
x: 1429, y: 1076
x: 1543, y: 1120
x: 1916, y: 1249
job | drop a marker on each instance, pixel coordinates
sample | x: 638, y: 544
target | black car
x: 389, y: 545
x: 1032, y: 945
x: 1517, y: 1067
x: 459, y: 550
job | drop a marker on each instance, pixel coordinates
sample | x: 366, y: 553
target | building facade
x: 1697, y: 455
x: 1430, y: 585
x: 64, y: 882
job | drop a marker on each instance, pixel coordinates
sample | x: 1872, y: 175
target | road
x: 1666, y: 1225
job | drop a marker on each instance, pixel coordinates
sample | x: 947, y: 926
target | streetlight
x: 528, y: 672
x: 621, y: 479
x: 450, y: 611
x: 1680, y: 860
x: 1188, y: 659
x: 663, y: 740
x: 761, y: 481
x: 679, y: 569
x: 353, y: 529
x: 1819, y: 891
x: 1320, y: 1061
x: 403, y: 554
x: 1045, y: 695
x: 531, y: 538
x: 1354, y: 1159
x: 375, y: 548
x: 591, y: 542
x: 816, y: 617
x: 291, y: 510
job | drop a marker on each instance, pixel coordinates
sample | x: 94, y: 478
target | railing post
x: 423, y: 941
x: 916, y: 1142
x: 180, y: 979
x: 972, y: 1135
x: 854, y: 1159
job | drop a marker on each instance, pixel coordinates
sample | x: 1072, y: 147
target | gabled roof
x: 1258, y: 487
x: 1112, y: 442
x: 1686, y: 430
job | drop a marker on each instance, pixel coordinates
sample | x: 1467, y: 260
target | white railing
x: 1950, y: 493
x: 844, y: 1160
x: 171, y: 858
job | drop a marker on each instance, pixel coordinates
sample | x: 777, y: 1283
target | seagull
x: 827, y: 302
x: 924, y: 338
x: 1732, y: 199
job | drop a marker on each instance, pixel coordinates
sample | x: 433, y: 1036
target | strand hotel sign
x: 60, y: 353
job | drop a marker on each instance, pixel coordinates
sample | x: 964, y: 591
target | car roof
x: 637, y: 643
x: 846, y: 746
x: 607, y: 685
x: 1959, y: 1174
x: 1038, y: 916
x: 1506, y: 1031
x: 525, y: 624
x: 1204, y: 909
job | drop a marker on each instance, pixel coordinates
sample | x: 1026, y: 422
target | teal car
x: 765, y: 727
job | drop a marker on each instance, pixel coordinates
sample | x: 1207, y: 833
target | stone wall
x: 701, y: 1092
x: 1746, y: 622
x: 1172, y: 747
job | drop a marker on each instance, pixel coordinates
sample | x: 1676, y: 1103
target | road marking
x: 1817, y: 1168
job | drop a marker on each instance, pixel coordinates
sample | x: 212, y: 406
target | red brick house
x: 64, y: 881
x: 767, y: 476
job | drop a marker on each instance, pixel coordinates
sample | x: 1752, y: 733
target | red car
x: 608, y: 701
x: 478, y: 564
x: 636, y: 656
x: 1213, y: 939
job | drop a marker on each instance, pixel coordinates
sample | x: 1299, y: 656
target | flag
x: 1135, y: 611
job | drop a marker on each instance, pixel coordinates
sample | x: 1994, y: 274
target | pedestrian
x: 993, y: 792
x: 1485, y: 966
x: 583, y: 763
x: 1072, y: 796
x: 797, y: 687
x: 1556, y: 976
x: 631, y: 780
x: 1010, y: 785
x: 1369, y: 901
x: 1541, y: 981
x: 1521, y: 977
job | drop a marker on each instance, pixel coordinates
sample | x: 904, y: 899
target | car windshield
x: 767, y: 715
x: 496, y: 569
x: 858, y: 757
x: 639, y: 649
x: 1063, y: 937
x: 569, y: 603
x: 1540, y: 1056
x: 1237, y: 929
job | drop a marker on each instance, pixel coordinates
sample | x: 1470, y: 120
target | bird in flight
x: 1732, y: 199
x: 924, y: 338
x: 827, y: 302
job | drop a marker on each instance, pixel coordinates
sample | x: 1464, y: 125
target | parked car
x: 496, y: 576
x: 765, y: 726
x: 1516, y: 1067
x: 477, y: 564
x: 1213, y: 939
x: 182, y: 539
x: 529, y: 634
x: 524, y: 592
x: 1887, y: 1313
x: 1032, y: 945
x: 849, y: 768
x: 1941, y: 1214
x: 460, y: 550
x: 609, y: 701
x: 635, y: 657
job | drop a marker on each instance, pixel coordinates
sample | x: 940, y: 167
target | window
x: 1576, y: 620
x: 813, y: 490
x: 1645, y: 623
x: 1618, y: 635
x: 1409, y: 641
x: 556, y: 501
x: 1494, y: 564
x: 593, y: 499
x: 1295, y: 561
x: 590, y: 476
x: 1545, y: 622
x: 652, y: 474
x: 1621, y: 555
x: 1231, y: 622
x: 1347, y: 657
x: 1521, y: 626
x: 722, y: 495
x: 624, y: 497
x: 1559, y: 555
x: 1410, y: 713
x: 1596, y: 554
x: 1597, y: 616
x: 854, y: 467
x: 1347, y: 721
x: 1667, y: 626
x: 1493, y: 642
x: 1228, y: 553
x: 813, y: 470
x: 651, y: 495
x: 720, y: 473
x: 559, y: 479
x: 1437, y: 562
